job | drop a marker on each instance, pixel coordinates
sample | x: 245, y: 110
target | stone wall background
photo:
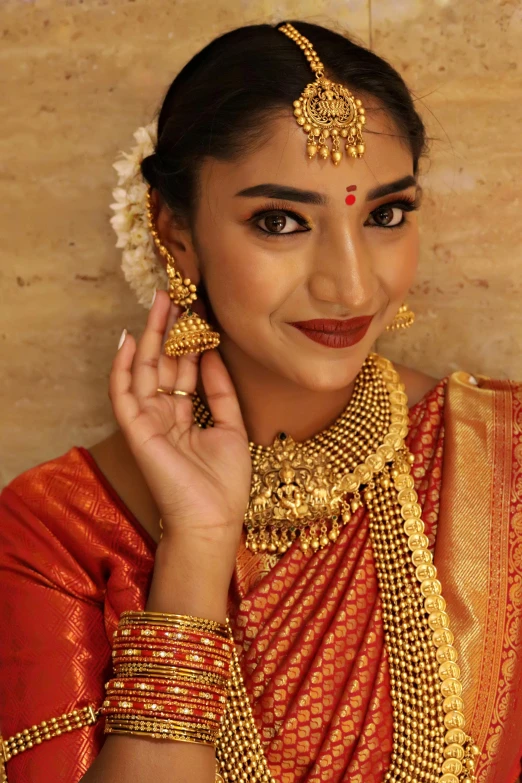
x: 78, y: 77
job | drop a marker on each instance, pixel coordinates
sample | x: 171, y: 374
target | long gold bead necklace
x: 295, y: 486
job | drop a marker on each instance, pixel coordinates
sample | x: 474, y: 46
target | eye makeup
x: 405, y: 203
x: 275, y: 209
x: 280, y: 208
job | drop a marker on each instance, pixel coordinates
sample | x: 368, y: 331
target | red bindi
x: 350, y: 199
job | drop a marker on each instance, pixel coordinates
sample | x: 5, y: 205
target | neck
x: 271, y: 404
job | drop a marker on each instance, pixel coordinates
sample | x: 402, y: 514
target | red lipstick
x: 335, y: 333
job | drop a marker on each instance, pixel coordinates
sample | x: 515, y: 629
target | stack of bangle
x: 171, y: 677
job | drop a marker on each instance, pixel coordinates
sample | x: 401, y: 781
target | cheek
x: 245, y: 288
x: 398, y: 266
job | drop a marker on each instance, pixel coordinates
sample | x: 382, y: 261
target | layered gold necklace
x: 306, y: 492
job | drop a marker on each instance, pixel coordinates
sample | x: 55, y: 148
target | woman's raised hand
x: 199, y: 478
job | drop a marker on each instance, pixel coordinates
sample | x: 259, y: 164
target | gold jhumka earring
x: 327, y: 110
x: 190, y: 333
x: 403, y: 319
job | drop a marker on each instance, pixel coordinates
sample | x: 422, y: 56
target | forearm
x: 186, y: 581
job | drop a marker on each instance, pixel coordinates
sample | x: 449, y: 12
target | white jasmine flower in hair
x: 125, y: 167
x: 140, y: 265
x: 138, y: 235
x: 121, y: 223
x: 122, y: 198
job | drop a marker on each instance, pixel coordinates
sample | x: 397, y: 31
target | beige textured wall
x: 79, y: 76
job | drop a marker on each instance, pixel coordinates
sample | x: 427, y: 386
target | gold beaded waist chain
x: 429, y: 738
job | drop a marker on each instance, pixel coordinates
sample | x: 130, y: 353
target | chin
x: 328, y: 376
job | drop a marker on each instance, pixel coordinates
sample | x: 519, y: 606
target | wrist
x: 190, y: 579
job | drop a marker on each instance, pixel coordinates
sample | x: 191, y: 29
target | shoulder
x: 53, y: 483
x: 62, y: 517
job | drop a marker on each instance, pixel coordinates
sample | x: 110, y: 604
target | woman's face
x: 281, y: 240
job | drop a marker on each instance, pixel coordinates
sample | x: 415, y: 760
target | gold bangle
x: 160, y: 729
x: 172, y: 672
x: 161, y: 618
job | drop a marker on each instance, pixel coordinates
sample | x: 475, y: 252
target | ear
x: 176, y: 236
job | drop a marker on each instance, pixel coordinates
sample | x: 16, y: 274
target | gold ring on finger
x: 171, y: 392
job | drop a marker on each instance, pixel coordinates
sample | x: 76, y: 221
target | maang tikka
x: 190, y: 333
x: 326, y: 109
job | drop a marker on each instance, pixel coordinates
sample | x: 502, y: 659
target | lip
x: 335, y: 333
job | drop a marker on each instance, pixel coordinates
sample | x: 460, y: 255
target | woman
x: 302, y: 249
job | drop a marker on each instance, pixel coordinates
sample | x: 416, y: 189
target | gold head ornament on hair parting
x: 190, y: 333
x: 327, y: 110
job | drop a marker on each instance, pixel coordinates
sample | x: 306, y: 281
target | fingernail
x: 154, y: 296
x: 122, y: 338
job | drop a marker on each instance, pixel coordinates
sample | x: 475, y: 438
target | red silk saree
x: 72, y: 558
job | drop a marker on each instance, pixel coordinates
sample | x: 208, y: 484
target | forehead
x: 281, y: 158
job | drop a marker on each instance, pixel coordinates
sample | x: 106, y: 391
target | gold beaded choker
x: 362, y: 458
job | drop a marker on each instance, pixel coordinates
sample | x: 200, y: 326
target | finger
x: 186, y: 380
x: 124, y: 403
x: 220, y: 393
x: 145, y: 364
x: 168, y: 365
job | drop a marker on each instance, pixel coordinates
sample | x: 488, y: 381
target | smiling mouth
x: 334, y: 333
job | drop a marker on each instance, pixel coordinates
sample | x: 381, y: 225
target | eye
x: 388, y: 216
x: 278, y: 223
x: 392, y: 215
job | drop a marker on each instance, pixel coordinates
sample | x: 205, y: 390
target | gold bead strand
x: 182, y: 291
x: 398, y: 631
x: 311, y: 55
x: 239, y: 752
x: 407, y: 637
x: 446, y: 674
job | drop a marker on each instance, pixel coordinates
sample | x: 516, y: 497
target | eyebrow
x: 287, y: 193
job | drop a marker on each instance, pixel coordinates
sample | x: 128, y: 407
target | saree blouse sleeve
x: 70, y: 562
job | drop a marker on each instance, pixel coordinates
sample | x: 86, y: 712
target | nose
x: 343, y: 273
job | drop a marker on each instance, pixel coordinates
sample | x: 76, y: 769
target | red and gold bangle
x: 201, y: 658
x: 170, y: 644
x: 176, y: 707
x: 161, y: 644
x: 154, y: 709
x: 208, y: 639
x: 171, y: 677
x: 214, y: 702
x: 165, y: 687
x: 166, y: 698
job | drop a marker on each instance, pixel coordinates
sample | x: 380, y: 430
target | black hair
x: 221, y: 103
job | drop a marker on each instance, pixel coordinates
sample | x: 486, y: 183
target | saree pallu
x: 73, y: 557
